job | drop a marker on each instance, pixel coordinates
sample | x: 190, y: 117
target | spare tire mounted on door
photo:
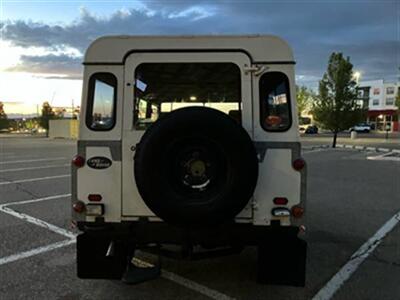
x: 196, y: 166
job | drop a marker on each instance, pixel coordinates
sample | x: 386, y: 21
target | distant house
x: 380, y: 97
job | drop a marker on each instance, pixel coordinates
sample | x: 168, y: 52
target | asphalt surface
x: 350, y: 197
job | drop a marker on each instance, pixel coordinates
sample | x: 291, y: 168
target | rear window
x: 101, y: 101
x: 275, y: 114
x: 163, y: 87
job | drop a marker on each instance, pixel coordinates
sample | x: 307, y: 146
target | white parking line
x: 33, y: 168
x: 5, y: 209
x: 356, y: 260
x: 19, y: 156
x: 36, y: 251
x: 190, y: 284
x: 31, y: 160
x: 34, y: 179
x: 37, y: 222
x: 35, y: 200
x: 386, y: 157
x: 213, y: 294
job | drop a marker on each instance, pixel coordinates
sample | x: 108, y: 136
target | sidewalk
x: 375, y: 140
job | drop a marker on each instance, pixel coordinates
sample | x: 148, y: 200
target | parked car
x: 362, y: 127
x: 304, y: 122
x: 312, y: 129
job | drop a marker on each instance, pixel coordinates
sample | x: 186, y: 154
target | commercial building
x: 64, y: 128
x: 380, y: 98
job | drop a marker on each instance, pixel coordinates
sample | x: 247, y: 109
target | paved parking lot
x: 352, y: 202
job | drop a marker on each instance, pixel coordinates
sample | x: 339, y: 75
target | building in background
x: 380, y: 98
x: 67, y: 112
x: 64, y: 128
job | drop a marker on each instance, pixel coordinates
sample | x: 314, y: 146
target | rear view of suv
x: 191, y: 142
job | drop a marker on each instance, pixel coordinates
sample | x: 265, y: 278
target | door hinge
x: 255, y: 69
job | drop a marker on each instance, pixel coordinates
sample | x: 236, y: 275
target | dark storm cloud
x: 364, y: 30
x: 50, y: 64
x: 88, y: 27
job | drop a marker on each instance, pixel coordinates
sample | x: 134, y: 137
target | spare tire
x: 196, y: 166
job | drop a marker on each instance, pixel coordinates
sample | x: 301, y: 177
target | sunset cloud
x: 365, y: 31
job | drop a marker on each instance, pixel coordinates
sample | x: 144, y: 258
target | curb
x: 315, y: 147
x: 356, y: 147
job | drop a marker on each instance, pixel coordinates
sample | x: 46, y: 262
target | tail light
x: 79, y: 207
x: 280, y: 201
x: 297, y: 211
x: 78, y: 161
x: 299, y: 164
x: 95, y: 197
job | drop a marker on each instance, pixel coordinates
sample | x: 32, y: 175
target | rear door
x: 169, y: 78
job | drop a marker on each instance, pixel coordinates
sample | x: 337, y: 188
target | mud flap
x: 283, y: 262
x: 92, y: 261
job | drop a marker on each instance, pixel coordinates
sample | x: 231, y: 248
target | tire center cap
x: 196, y: 173
x: 197, y: 168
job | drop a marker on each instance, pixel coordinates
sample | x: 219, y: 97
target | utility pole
x: 72, y: 108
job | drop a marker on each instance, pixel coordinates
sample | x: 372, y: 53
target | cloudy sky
x: 42, y: 42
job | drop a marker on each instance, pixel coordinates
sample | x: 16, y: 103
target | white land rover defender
x: 188, y: 142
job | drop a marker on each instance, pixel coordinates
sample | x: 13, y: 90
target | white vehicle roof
x: 260, y: 48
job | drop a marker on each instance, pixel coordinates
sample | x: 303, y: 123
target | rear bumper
x: 281, y: 254
x: 143, y: 233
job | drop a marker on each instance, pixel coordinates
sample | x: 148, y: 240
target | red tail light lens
x: 79, y: 206
x: 95, y: 197
x: 78, y: 161
x: 299, y: 164
x: 280, y: 201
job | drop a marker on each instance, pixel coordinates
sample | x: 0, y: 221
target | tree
x: 4, y: 123
x: 336, y: 106
x: 304, y: 97
x: 47, y: 114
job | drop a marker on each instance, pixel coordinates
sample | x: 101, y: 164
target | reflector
x: 79, y: 206
x: 297, y: 211
x: 299, y: 164
x: 78, y: 161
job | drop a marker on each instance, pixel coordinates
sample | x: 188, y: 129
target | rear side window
x: 275, y: 114
x: 101, y: 101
